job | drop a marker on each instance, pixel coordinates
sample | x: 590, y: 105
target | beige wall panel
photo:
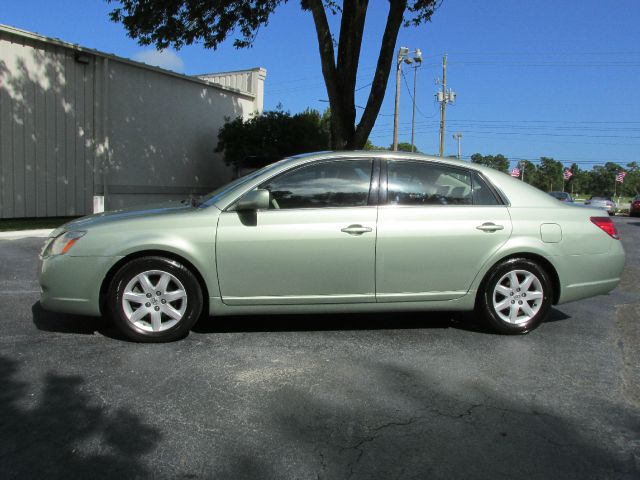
x: 163, y: 132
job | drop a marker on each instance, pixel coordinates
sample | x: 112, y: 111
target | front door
x: 315, y: 244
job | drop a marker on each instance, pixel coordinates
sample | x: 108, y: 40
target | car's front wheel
x: 516, y: 296
x: 154, y: 299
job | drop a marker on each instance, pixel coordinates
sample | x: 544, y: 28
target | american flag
x: 567, y: 174
x: 515, y: 172
x: 620, y: 176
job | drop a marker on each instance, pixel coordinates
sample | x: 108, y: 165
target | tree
x: 499, y: 162
x: 404, y: 147
x: 576, y: 181
x: 176, y: 23
x: 370, y: 146
x: 632, y: 180
x: 272, y: 135
x: 529, y: 172
x: 550, y: 174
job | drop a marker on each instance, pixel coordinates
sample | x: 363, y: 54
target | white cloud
x: 161, y: 58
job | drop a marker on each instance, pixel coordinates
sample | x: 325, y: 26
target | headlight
x: 63, y: 243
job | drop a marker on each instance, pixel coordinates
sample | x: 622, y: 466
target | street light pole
x: 418, y: 59
x: 401, y: 55
x: 458, y: 137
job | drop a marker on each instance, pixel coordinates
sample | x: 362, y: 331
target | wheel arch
x: 539, y: 259
x: 104, y: 286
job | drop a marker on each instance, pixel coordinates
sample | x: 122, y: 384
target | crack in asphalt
x: 375, y: 432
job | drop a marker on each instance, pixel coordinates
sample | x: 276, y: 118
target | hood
x: 155, y: 209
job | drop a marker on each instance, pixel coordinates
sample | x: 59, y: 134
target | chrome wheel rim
x: 154, y: 301
x: 517, y: 297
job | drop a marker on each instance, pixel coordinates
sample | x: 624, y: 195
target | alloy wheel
x: 518, y: 296
x: 154, y: 301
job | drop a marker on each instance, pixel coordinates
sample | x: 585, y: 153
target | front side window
x: 421, y: 183
x: 338, y: 183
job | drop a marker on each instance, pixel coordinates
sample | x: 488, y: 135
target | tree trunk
x: 340, y: 80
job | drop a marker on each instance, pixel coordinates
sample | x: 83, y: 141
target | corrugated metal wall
x: 47, y: 129
x: 75, y: 123
x: 239, y: 80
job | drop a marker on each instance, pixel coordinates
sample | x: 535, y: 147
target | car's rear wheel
x: 516, y: 296
x: 154, y: 299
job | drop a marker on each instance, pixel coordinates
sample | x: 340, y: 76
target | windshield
x: 213, y: 197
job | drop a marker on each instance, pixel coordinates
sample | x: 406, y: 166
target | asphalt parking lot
x: 343, y: 396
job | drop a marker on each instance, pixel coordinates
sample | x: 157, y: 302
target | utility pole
x: 444, y: 97
x: 458, y: 136
x: 522, y: 165
x: 443, y: 103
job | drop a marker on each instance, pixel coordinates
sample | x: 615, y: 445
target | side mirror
x: 254, y: 200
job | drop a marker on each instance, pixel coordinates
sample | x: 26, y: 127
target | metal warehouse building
x: 76, y: 124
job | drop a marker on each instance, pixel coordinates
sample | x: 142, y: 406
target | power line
x: 406, y: 84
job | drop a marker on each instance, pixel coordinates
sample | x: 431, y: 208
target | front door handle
x: 490, y: 227
x: 356, y: 229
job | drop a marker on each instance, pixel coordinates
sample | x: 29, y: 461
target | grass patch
x: 32, y: 223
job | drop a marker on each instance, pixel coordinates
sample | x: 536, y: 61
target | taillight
x: 607, y: 225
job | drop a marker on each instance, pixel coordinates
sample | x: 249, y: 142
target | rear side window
x: 421, y: 183
x: 338, y: 183
x: 482, y: 193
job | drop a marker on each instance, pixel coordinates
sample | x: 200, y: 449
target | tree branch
x: 383, y: 67
x: 349, y: 46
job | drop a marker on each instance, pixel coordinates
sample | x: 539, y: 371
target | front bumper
x: 72, y: 284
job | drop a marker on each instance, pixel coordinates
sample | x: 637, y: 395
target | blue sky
x: 545, y: 78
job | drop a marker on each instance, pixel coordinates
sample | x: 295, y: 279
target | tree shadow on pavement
x: 59, y: 431
x: 390, y: 421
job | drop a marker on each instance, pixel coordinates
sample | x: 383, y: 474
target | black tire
x: 523, y: 322
x: 193, y: 300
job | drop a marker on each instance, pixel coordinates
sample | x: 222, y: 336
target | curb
x: 18, y: 234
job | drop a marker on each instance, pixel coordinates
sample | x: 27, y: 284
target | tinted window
x: 340, y: 183
x: 418, y: 183
x: 482, y: 194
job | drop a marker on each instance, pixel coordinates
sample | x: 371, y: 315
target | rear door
x: 437, y: 227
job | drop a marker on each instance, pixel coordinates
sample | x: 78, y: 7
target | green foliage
x: 274, y: 134
x: 499, y: 161
x: 176, y: 23
x: 548, y: 175
x: 370, y: 146
x: 404, y: 147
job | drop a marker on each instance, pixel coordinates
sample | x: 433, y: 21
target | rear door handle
x: 490, y: 227
x: 356, y: 229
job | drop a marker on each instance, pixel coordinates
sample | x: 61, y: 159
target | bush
x: 273, y: 134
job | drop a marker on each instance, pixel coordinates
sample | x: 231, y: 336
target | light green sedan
x: 336, y: 232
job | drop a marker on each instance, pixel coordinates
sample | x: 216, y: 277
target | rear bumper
x: 603, y: 271
x: 72, y: 284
